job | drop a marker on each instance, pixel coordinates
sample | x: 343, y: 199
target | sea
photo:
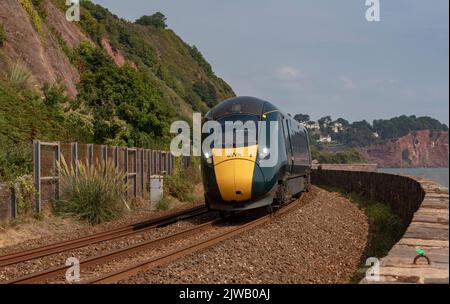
x: 438, y: 175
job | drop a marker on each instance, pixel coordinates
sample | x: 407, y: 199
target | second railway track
x: 35, y: 253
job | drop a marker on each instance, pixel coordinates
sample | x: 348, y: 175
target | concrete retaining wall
x: 423, y: 207
x: 348, y: 167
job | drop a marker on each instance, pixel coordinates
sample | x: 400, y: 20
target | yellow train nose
x: 234, y: 172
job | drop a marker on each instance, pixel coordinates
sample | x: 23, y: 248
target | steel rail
x: 125, y: 273
x: 35, y: 253
x: 42, y: 276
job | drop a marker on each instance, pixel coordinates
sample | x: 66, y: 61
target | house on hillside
x: 312, y: 125
x: 325, y: 139
x: 337, y: 127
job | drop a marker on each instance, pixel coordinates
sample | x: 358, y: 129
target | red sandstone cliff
x: 417, y: 149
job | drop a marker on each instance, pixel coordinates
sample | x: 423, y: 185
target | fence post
x: 14, y: 202
x: 74, y: 155
x: 126, y: 168
x: 90, y: 154
x: 105, y: 153
x: 37, y: 173
x: 135, y: 182
x: 58, y: 171
x: 142, y: 171
x: 116, y: 156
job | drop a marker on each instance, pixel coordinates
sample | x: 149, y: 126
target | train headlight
x: 208, y: 157
x: 264, y: 153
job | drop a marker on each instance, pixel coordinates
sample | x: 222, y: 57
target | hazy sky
x: 319, y: 56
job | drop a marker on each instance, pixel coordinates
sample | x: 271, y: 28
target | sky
x: 319, y: 57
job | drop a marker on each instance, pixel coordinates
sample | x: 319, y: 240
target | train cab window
x: 244, y: 130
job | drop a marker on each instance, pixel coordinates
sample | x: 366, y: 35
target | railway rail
x: 173, y: 255
x: 35, y: 253
x: 57, y: 273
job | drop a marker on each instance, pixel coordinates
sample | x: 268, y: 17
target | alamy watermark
x: 73, y: 272
x: 73, y: 12
x: 373, y: 273
x: 373, y: 11
x: 229, y: 138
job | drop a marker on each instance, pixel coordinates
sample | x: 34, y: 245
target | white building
x: 312, y: 125
x: 325, y: 139
x: 337, y: 127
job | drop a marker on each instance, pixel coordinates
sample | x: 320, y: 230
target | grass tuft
x: 96, y: 194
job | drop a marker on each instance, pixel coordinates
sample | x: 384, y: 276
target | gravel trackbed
x: 323, y: 241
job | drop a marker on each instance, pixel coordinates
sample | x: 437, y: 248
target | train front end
x: 233, y: 176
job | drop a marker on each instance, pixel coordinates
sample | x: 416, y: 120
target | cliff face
x: 417, y: 149
x: 40, y: 39
x: 39, y: 51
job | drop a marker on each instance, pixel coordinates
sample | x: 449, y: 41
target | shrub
x: 96, y: 194
x: 34, y: 15
x: 162, y: 204
x: 20, y: 77
x: 182, y: 183
x: 25, y: 191
x: 15, y: 161
x: 157, y: 20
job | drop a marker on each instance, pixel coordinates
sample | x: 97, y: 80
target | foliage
x: 15, y: 161
x: 182, y: 182
x: 342, y: 157
x: 3, y: 36
x: 402, y: 125
x: 25, y: 192
x: 96, y: 194
x: 206, y: 92
x: 198, y: 56
x: 163, y: 204
x: 125, y: 106
x: 21, y: 77
x: 157, y: 20
x: 302, y: 117
x: 34, y: 15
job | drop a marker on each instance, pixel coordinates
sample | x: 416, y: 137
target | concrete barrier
x: 423, y: 207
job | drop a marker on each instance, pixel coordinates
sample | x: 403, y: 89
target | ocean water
x: 438, y: 175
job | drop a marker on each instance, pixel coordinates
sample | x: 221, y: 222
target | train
x: 235, y: 177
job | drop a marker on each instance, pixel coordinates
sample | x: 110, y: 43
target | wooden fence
x: 138, y: 165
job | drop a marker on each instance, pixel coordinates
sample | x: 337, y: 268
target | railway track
x: 112, y: 277
x: 35, y: 253
x: 173, y: 255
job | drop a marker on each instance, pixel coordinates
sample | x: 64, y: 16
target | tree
x: 302, y: 117
x: 157, y: 20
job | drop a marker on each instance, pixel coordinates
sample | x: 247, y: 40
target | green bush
x: 15, y: 161
x: 21, y: 77
x: 181, y: 183
x: 96, y: 194
x: 157, y: 20
x: 341, y: 157
x: 163, y: 204
x: 34, y: 15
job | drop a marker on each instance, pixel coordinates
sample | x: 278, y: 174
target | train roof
x: 241, y: 105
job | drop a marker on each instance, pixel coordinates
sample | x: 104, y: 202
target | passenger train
x: 235, y: 181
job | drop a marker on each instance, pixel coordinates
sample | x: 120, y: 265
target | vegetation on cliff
x: 120, y: 102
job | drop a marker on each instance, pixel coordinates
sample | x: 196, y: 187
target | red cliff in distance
x: 417, y: 149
